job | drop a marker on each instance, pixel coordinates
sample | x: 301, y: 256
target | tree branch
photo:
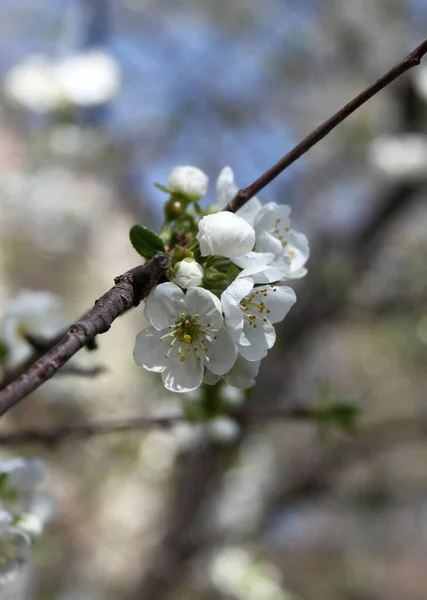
x: 56, y: 434
x: 128, y: 291
x: 242, y: 196
x: 134, y: 285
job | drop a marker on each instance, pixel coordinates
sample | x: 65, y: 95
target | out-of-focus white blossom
x: 31, y: 312
x: 401, y: 157
x: 20, y: 481
x: 235, y: 572
x: 188, y: 273
x: 189, y: 181
x: 420, y: 80
x: 87, y: 78
x: 31, y: 83
x: 223, y: 429
x: 232, y: 396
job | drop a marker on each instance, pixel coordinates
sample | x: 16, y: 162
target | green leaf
x: 146, y: 242
x: 342, y: 415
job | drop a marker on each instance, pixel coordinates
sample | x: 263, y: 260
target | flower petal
x: 279, y: 301
x: 164, y: 304
x: 222, y: 352
x: 207, y: 305
x: 183, y: 376
x: 225, y: 187
x: 261, y: 338
x: 269, y: 214
x: 242, y: 375
x: 298, y: 251
x: 149, y: 351
x: 230, y: 301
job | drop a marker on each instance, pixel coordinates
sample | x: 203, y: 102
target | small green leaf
x: 341, y: 415
x: 146, y: 242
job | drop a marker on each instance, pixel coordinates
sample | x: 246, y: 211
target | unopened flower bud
x: 191, y: 182
x: 225, y: 234
x: 188, y: 273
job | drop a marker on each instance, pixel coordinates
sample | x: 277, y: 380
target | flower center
x: 7, y: 551
x: 187, y: 328
x: 281, y: 233
x: 253, y: 306
x: 187, y: 335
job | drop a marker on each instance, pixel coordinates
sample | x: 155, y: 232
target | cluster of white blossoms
x: 215, y: 317
x: 44, y: 85
x: 24, y: 509
x: 30, y: 313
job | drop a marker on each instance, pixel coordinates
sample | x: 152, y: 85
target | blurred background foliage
x: 286, y: 513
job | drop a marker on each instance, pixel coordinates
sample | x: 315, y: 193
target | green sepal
x: 163, y: 188
x: 146, y: 242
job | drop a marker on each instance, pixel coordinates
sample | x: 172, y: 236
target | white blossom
x: 15, y: 547
x: 401, y: 156
x: 262, y: 267
x: 20, y: 479
x: 88, y: 78
x: 225, y: 234
x: 186, y: 334
x: 274, y: 234
x: 250, y: 313
x: 231, y: 395
x: 30, y: 524
x: 188, y: 181
x: 420, y: 81
x: 42, y: 84
x: 272, y: 228
x: 38, y: 313
x: 188, y: 273
x: 31, y: 84
x: 223, y: 429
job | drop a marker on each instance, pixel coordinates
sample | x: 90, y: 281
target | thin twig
x: 242, y: 196
x: 130, y: 288
x: 60, y: 433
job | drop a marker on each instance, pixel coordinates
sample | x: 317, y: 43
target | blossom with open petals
x: 15, y: 547
x: 272, y: 228
x: 21, y: 479
x: 187, y: 333
x: 250, y: 313
x: 188, y: 181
